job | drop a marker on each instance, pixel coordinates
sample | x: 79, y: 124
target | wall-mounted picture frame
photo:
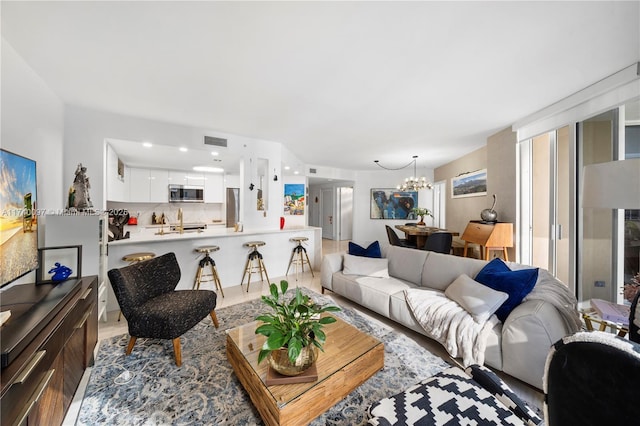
x: 389, y: 203
x: 473, y: 184
x: 294, y: 199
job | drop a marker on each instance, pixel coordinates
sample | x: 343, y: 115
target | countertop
x: 145, y: 234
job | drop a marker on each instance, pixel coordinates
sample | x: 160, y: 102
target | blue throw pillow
x: 373, y: 250
x: 517, y: 284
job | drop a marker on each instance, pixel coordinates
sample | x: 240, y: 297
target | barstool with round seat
x: 135, y: 258
x: 299, y: 256
x: 254, y: 262
x: 138, y: 257
x: 207, y: 260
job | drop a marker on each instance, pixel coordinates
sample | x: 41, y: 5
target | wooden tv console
x: 52, y: 339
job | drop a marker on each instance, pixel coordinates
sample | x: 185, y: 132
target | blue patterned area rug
x: 146, y: 388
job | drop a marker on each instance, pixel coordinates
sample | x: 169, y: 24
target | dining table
x: 419, y: 234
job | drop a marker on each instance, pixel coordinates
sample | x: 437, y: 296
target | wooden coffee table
x: 350, y: 357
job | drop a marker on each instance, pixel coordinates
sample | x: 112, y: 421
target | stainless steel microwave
x: 186, y: 194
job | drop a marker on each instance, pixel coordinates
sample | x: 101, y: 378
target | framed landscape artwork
x: 473, y: 184
x: 389, y: 203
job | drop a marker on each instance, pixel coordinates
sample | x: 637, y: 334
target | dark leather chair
x: 394, y: 240
x: 151, y: 305
x: 591, y: 378
x: 634, y: 320
x: 439, y: 242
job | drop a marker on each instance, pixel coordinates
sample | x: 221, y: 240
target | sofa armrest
x: 527, y: 335
x: 331, y: 263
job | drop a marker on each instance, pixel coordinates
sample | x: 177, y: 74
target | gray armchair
x: 151, y: 305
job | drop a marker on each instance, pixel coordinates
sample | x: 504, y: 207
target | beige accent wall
x: 499, y: 158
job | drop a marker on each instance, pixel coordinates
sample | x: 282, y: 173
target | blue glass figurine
x: 60, y: 273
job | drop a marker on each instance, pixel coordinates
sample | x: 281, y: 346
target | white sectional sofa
x: 519, y: 346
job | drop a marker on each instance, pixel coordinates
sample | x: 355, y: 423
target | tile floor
x: 233, y: 295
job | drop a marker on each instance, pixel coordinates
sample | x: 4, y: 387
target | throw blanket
x: 448, y: 323
x: 549, y: 289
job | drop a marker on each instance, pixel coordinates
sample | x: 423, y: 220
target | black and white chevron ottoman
x: 455, y: 397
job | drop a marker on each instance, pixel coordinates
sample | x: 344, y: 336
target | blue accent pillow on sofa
x: 373, y: 250
x: 517, y: 284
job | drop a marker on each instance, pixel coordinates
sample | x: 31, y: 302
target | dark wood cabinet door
x: 50, y: 408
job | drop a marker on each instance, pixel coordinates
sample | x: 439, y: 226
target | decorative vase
x: 490, y: 215
x: 421, y: 223
x: 281, y: 222
x: 279, y: 360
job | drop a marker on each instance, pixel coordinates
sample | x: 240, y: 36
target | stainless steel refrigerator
x: 233, y: 206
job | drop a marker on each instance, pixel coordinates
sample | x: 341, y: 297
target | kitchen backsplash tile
x: 209, y: 213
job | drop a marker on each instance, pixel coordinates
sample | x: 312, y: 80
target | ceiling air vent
x: 210, y: 140
x: 314, y: 171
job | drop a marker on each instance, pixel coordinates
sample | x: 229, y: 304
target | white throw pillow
x: 369, y: 266
x: 477, y: 299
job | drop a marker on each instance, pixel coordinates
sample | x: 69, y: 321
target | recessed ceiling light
x: 215, y: 153
x: 208, y: 169
x: 287, y: 167
x: 147, y: 144
x: 296, y: 172
x: 183, y: 149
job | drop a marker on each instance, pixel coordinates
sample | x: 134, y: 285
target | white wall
x: 32, y: 125
x: 366, y: 229
x: 86, y: 131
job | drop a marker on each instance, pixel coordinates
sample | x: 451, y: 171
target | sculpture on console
x: 79, y: 197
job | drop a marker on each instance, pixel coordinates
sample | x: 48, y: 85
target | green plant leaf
x: 326, y: 320
x: 275, y: 341
x: 263, y: 354
x: 273, y: 290
x: 284, y: 285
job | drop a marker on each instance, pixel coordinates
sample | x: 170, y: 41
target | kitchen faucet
x: 181, y: 226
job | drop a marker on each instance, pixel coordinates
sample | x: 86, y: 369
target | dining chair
x: 439, y: 242
x: 394, y: 240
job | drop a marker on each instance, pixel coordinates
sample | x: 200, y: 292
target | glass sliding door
x: 631, y: 250
x: 546, y: 206
x: 597, y: 143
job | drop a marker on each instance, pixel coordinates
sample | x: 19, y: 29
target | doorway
x: 327, y: 201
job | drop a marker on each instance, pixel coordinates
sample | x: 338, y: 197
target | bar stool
x: 207, y: 260
x: 135, y: 258
x: 254, y: 262
x: 297, y: 257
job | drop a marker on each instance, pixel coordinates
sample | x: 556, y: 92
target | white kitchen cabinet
x: 195, y: 179
x: 213, y: 188
x: 158, y: 186
x: 138, y: 185
x: 177, y: 177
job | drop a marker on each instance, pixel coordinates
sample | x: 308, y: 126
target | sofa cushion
x: 497, y: 275
x: 441, y: 269
x: 406, y: 263
x: 370, y: 292
x: 369, y: 266
x: 479, y: 300
x: 372, y: 250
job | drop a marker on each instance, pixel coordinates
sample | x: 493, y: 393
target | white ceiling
x: 338, y: 83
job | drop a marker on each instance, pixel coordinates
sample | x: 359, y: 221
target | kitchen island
x: 230, y: 259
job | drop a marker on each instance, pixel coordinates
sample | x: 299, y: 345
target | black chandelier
x: 412, y: 183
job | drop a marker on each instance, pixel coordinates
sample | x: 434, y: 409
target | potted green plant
x: 422, y: 212
x: 293, y: 330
